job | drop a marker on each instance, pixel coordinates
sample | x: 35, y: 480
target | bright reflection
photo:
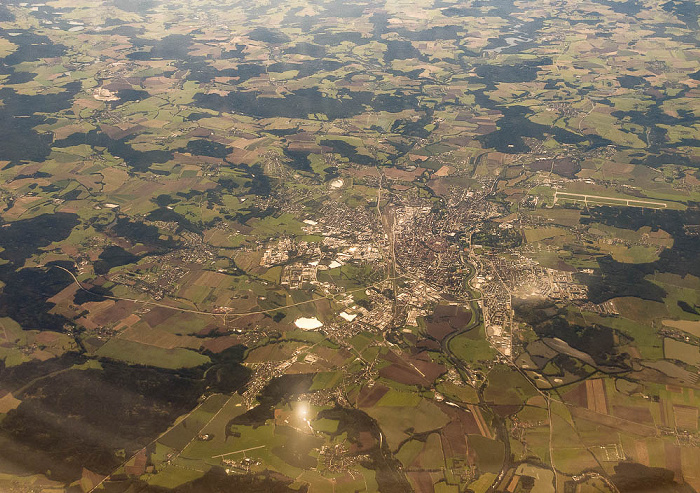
x: 302, y: 410
x: 302, y: 414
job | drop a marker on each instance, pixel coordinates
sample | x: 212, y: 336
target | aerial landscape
x: 431, y: 246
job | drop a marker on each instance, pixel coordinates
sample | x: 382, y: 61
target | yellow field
x: 539, y: 234
x: 690, y: 326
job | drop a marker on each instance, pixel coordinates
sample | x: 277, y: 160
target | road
x: 387, y: 223
x: 498, y: 421
x: 238, y: 451
x: 106, y: 478
x: 628, y: 202
x: 224, y: 316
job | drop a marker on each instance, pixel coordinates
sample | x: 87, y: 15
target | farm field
x: 349, y: 246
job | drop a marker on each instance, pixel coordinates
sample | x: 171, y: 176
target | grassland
x: 539, y: 234
x: 470, y: 349
x: 141, y: 354
x: 196, y: 137
x: 687, y: 353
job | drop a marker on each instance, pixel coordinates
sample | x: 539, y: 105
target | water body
x: 308, y: 323
x: 518, y: 39
x: 510, y: 42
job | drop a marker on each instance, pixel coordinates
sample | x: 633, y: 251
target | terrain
x: 431, y: 246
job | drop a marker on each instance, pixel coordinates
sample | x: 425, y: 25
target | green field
x: 141, y: 354
x: 687, y: 353
x: 179, y: 177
